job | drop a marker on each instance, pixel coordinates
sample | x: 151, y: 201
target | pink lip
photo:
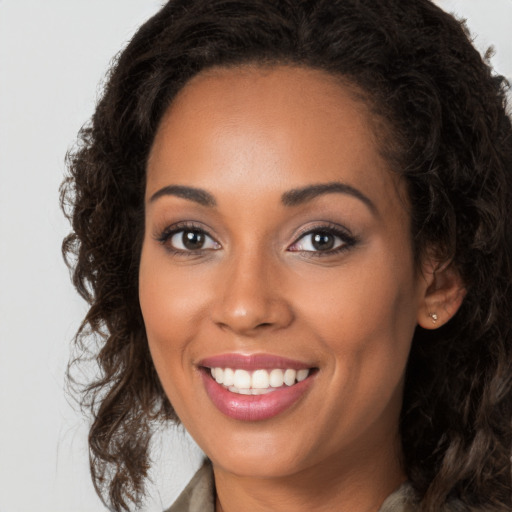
x: 252, y: 362
x: 253, y: 407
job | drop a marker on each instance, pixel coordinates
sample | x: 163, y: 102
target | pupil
x: 193, y: 239
x: 323, y: 241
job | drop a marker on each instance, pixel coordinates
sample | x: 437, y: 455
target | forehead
x: 279, y: 127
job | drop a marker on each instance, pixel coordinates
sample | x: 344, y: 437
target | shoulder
x: 198, y: 495
x: 404, y: 499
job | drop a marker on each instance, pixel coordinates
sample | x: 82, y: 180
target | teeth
x: 289, y: 377
x: 302, y: 374
x: 234, y: 389
x: 229, y: 377
x: 260, y: 379
x: 258, y: 382
x: 260, y: 391
x: 276, y: 378
x: 242, y: 379
x: 219, y: 375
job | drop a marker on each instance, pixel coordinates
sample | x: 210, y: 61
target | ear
x: 443, y: 294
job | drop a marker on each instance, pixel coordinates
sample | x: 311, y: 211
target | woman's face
x: 277, y: 249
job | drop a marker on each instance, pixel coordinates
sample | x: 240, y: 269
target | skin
x: 246, y: 136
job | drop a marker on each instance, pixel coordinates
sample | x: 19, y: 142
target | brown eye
x: 323, y: 241
x: 192, y: 240
x: 320, y: 241
x: 186, y: 240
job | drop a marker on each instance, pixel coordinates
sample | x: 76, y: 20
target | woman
x: 290, y: 222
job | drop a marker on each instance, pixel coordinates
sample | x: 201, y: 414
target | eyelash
x: 182, y: 227
x: 347, y: 240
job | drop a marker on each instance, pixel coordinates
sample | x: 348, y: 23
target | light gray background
x: 53, y: 55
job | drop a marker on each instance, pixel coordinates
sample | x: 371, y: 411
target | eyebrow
x: 197, y: 195
x: 293, y: 197
x: 300, y: 196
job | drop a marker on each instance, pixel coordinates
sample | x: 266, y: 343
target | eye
x: 188, y: 240
x: 323, y: 240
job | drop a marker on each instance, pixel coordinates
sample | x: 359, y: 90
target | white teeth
x: 258, y: 382
x: 219, y: 375
x: 260, y: 391
x: 260, y: 379
x: 234, y: 389
x: 229, y: 377
x: 242, y: 379
x: 289, y: 377
x: 277, y: 378
x: 302, y: 374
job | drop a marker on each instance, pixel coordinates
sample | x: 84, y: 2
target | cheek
x: 171, y: 319
x: 172, y: 306
x: 365, y: 317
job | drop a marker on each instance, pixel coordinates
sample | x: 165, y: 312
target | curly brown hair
x: 448, y: 135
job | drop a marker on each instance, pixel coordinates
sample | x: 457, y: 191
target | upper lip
x: 252, y: 362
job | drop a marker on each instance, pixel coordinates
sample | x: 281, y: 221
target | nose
x: 251, y: 297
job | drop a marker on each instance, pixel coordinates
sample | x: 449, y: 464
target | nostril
x: 249, y: 314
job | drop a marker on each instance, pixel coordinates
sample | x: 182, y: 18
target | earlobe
x: 443, y: 294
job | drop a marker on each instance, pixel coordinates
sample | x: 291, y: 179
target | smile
x: 255, y: 387
x: 258, y: 382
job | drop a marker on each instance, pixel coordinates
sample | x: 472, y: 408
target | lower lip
x: 253, y: 407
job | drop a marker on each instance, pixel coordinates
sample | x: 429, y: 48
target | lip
x: 253, y: 407
x: 252, y: 362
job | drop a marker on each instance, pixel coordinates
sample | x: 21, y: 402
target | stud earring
x: 434, y: 317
